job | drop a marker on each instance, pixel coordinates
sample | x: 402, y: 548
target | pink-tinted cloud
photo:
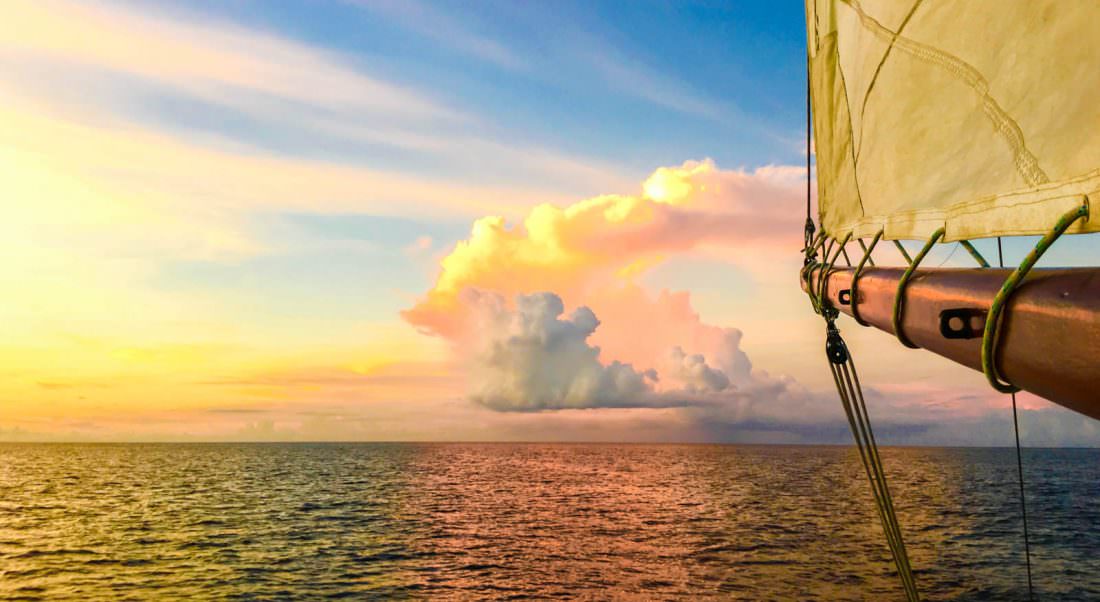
x: 578, y: 250
x: 621, y: 346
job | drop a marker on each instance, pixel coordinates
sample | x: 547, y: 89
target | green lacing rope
x: 811, y: 249
x: 864, y: 247
x: 974, y: 253
x: 899, y: 298
x: 811, y: 264
x: 854, y: 292
x: 826, y: 268
x: 904, y: 253
x: 992, y: 320
x: 822, y: 265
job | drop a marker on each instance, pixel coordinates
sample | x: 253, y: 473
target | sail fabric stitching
x: 1026, y: 163
x: 878, y: 69
x: 851, y: 143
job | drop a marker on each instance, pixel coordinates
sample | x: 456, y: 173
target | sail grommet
x: 991, y: 332
x: 899, y: 297
x: 854, y: 291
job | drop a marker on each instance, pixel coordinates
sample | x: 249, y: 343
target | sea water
x: 475, y: 521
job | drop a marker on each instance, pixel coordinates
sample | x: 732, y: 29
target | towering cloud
x: 600, y: 243
x: 645, y: 349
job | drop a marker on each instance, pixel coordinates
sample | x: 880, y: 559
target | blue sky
x: 636, y: 84
x: 282, y: 207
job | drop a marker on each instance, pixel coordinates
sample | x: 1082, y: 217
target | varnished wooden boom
x: 1050, y: 330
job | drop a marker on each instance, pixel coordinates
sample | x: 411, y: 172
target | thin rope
x: 949, y: 256
x: 851, y: 393
x: 808, y: 231
x: 808, y: 142
x: 853, y: 291
x: 974, y: 253
x: 864, y: 247
x: 827, y: 268
x: 992, y: 321
x: 848, y: 386
x: 899, y: 297
x: 904, y: 253
x: 1019, y: 465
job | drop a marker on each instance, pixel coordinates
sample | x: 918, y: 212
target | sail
x: 979, y: 116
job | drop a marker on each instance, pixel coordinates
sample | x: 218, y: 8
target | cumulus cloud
x: 534, y: 359
x: 519, y: 306
x: 582, y: 248
x: 645, y: 350
x: 531, y: 356
x: 694, y: 372
x: 642, y: 328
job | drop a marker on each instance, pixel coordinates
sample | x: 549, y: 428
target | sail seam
x: 878, y: 68
x: 872, y: 223
x: 851, y: 142
x: 1026, y: 162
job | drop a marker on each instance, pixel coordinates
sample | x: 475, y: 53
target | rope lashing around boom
x: 853, y: 293
x: 826, y: 269
x: 843, y: 368
x: 863, y: 246
x: 899, y: 298
x: 991, y: 333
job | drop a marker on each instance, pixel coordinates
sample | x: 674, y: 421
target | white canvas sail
x: 980, y: 116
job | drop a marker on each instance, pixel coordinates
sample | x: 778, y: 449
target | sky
x: 412, y: 220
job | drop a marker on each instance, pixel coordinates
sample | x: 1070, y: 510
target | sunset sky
x: 376, y: 220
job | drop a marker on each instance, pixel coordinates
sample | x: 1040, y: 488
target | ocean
x: 515, y: 521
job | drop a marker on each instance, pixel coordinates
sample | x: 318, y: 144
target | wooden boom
x: 1049, y: 342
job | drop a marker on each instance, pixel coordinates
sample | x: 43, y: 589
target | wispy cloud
x: 210, y: 59
x: 432, y: 23
x: 632, y: 77
x: 315, y: 96
x: 562, y: 57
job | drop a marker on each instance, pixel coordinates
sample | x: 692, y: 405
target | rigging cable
x: 809, y: 229
x: 1019, y: 464
x: 847, y: 382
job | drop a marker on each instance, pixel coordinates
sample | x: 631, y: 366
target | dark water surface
x: 460, y: 521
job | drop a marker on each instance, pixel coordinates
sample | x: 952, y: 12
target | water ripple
x: 457, y: 521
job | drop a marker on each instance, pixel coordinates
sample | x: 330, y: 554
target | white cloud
x: 532, y: 359
x: 693, y: 371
